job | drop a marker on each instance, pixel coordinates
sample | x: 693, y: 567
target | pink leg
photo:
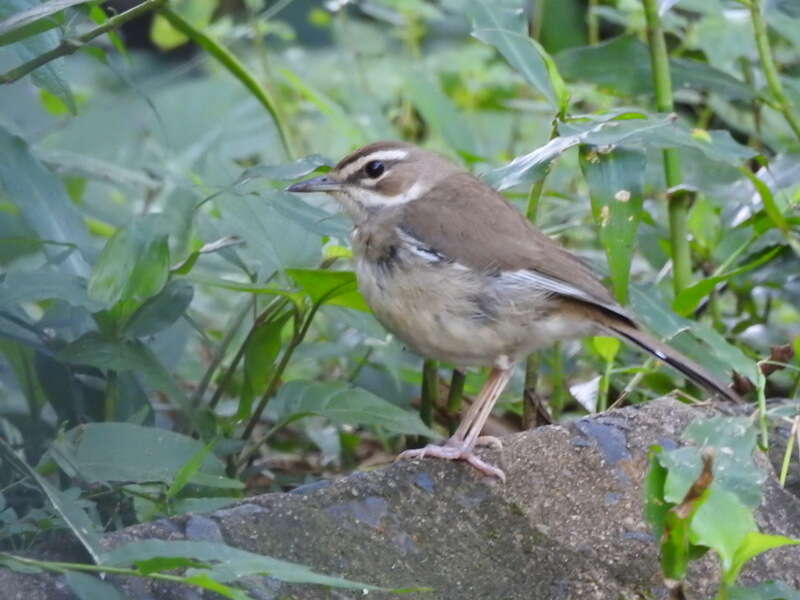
x: 462, y: 443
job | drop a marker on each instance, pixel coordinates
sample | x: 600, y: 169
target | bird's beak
x: 323, y: 183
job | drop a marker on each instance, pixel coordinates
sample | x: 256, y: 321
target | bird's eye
x: 374, y: 168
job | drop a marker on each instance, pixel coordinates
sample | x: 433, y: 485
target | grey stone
x: 567, y: 524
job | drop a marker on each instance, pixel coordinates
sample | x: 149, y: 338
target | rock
x: 567, y: 524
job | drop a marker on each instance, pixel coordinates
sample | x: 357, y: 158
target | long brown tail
x: 672, y: 357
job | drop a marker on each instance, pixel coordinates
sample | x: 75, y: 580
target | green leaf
x: 199, y: 14
x: 722, y: 523
x: 160, y: 311
x: 616, y: 188
x: 755, y: 543
x: 133, y: 266
x: 770, y: 590
x: 343, y: 404
x: 95, y: 350
x: 439, y: 111
x: 35, y: 19
x: 590, y: 64
x: 72, y: 514
x: 167, y: 563
x: 89, y: 587
x: 655, y: 507
x: 262, y: 348
x: 606, y: 347
x: 233, y: 563
x: 339, y: 288
x: 48, y: 76
x: 43, y: 202
x: 687, y: 301
x: 299, y: 168
x: 505, y: 29
x: 189, y: 469
x: 103, y: 452
x: 45, y: 284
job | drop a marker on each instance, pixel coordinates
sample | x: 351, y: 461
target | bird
x: 455, y: 272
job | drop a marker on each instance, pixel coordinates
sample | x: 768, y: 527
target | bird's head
x: 379, y: 176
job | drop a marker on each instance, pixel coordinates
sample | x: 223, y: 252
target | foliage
x: 177, y: 331
x: 703, y: 496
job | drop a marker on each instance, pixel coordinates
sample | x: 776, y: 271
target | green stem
x: 537, y: 14
x: 592, y: 24
x: 71, y: 45
x: 770, y: 70
x: 454, y: 398
x: 678, y: 199
x: 787, y: 455
x: 430, y: 390
x: 227, y: 59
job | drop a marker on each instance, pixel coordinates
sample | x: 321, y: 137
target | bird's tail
x: 672, y: 357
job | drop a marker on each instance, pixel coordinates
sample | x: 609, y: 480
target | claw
x: 452, y: 451
x: 489, y: 441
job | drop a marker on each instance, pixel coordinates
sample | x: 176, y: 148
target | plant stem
x: 784, y: 105
x: 678, y: 199
x: 454, y: 398
x: 430, y: 390
x: 227, y: 59
x: 69, y: 46
x: 592, y: 24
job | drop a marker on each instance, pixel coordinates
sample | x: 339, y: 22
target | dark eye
x: 374, y: 168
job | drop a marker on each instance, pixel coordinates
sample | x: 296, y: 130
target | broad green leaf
x: 189, y: 469
x: 439, y: 112
x: 161, y: 310
x: 344, y: 404
x: 122, y: 356
x: 330, y: 287
x: 590, y: 63
x: 261, y: 349
x: 616, y: 188
x: 199, y: 14
x: 89, y: 587
x: 655, y: 506
x: 208, y: 583
x: 299, y: 168
x: 45, y: 284
x: 133, y: 266
x: 768, y: 200
x: 48, y: 76
x: 722, y: 523
x: 232, y: 562
x: 43, y: 202
x: 606, y: 347
x: 688, y: 300
x: 102, y: 452
x: 505, y: 29
x: 755, y: 543
x: 34, y: 20
x: 72, y: 514
x: 770, y: 590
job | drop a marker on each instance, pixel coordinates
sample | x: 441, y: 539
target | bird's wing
x: 477, y: 227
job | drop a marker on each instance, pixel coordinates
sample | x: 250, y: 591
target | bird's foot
x: 458, y: 451
x: 489, y: 441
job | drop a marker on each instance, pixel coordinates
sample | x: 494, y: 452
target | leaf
x: 339, y: 288
x: 343, y: 404
x: 95, y: 350
x: 687, y: 301
x: 160, y: 311
x: 261, y: 349
x: 88, y: 587
x: 233, y: 563
x: 43, y: 202
x: 505, y: 29
x: 590, y: 63
x: 72, y: 514
x: 755, y: 543
x: 770, y: 590
x: 48, y: 76
x: 616, y: 188
x: 199, y: 14
x: 439, y: 112
x: 722, y: 523
x: 665, y: 5
x: 134, y: 264
x: 606, y: 347
x: 189, y: 469
x: 45, y: 284
x: 33, y: 20
x: 107, y: 452
x: 286, y: 172
x: 655, y: 507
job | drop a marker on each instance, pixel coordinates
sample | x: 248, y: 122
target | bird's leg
x: 461, y: 444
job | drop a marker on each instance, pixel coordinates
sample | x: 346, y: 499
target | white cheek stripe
x: 413, y: 193
x: 378, y: 155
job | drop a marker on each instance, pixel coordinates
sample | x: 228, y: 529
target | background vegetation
x: 176, y: 331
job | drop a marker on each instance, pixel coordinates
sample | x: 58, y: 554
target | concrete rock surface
x: 567, y: 524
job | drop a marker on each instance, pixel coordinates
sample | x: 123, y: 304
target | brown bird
x: 458, y: 274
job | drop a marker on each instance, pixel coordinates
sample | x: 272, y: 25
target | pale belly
x: 446, y: 312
